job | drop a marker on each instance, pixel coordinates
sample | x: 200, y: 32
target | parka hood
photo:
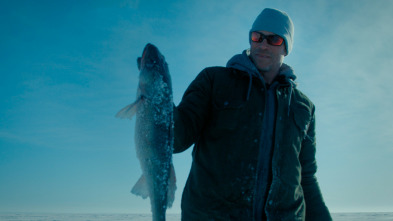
x: 243, y: 63
x: 286, y: 76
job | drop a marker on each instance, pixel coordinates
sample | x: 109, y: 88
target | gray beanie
x: 276, y: 21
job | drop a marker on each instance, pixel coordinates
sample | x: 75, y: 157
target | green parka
x: 221, y: 113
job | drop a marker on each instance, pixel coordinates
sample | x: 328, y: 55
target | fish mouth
x: 151, y: 56
x: 151, y: 51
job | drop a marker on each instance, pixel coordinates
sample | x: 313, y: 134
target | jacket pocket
x: 302, y: 117
x: 226, y: 113
x: 285, y: 202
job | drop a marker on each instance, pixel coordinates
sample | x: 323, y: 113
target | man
x: 254, y: 135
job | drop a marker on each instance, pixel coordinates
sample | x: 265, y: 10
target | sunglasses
x: 274, y: 40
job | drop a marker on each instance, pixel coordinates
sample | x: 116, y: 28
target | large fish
x: 153, y: 109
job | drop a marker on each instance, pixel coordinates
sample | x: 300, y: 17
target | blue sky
x: 69, y: 66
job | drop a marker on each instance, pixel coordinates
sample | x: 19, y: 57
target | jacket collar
x: 243, y: 63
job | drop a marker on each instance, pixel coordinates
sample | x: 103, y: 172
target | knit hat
x: 276, y: 21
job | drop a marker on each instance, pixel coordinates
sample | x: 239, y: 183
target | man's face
x: 266, y: 57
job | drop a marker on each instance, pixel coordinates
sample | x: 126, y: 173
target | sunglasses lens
x: 275, y: 40
x: 255, y: 37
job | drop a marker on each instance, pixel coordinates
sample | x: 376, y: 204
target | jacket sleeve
x: 190, y: 116
x: 316, y: 209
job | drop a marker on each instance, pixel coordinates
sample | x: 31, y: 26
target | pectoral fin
x: 129, y: 110
x: 140, y: 188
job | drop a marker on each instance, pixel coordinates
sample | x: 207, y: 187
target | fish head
x: 151, y: 59
x: 152, y: 66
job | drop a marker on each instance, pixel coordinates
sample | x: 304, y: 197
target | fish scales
x: 153, y: 109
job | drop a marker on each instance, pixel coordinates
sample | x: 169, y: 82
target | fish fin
x: 140, y: 188
x: 138, y: 61
x: 129, y: 110
x: 171, y: 187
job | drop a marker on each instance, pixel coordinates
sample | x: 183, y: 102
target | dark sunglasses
x: 274, y: 40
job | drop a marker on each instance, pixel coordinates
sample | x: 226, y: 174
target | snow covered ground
x: 362, y: 216
x: 170, y: 217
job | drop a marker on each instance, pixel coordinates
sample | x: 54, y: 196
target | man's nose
x: 263, y: 44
